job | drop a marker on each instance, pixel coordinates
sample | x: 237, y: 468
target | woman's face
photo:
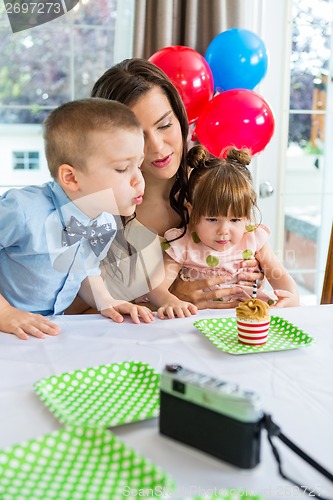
x: 162, y: 132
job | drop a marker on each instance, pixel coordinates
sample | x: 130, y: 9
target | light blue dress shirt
x: 37, y: 273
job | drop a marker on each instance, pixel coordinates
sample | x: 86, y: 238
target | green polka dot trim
x: 104, y: 396
x: 232, y: 494
x: 77, y: 464
x: 212, y: 261
x: 165, y: 245
x: 195, y: 237
x: 250, y: 227
x: 247, y: 254
x: 282, y: 335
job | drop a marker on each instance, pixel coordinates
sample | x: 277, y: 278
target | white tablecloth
x: 296, y: 387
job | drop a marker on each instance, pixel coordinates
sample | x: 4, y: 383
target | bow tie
x: 98, y: 236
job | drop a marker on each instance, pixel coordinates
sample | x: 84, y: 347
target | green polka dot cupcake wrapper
x: 282, y: 335
x: 104, y: 396
x: 75, y: 464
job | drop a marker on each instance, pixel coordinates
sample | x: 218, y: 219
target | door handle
x: 265, y: 189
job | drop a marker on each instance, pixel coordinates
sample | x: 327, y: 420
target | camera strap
x: 274, y: 430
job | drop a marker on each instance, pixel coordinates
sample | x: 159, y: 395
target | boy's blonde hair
x: 220, y: 187
x: 68, y: 130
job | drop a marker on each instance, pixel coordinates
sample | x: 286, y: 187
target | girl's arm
x: 168, y: 304
x: 278, y: 277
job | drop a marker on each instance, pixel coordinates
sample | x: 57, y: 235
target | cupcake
x: 253, y: 322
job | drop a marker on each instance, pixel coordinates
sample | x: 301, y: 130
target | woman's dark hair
x: 127, y: 82
x: 220, y: 186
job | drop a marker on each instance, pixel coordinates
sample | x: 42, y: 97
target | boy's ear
x: 67, y: 178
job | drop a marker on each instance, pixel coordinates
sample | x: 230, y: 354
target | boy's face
x: 112, y: 180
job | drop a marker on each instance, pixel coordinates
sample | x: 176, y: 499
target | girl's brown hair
x: 220, y: 187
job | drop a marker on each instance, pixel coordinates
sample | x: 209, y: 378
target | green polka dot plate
x: 104, y: 396
x: 77, y: 464
x: 233, y: 494
x: 282, y: 335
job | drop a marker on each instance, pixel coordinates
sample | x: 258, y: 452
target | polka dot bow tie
x: 97, y: 236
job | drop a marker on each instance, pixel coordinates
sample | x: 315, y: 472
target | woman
x: 157, y: 104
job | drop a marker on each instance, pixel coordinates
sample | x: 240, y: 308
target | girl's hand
x: 23, y: 324
x: 136, y: 312
x: 178, y: 309
x: 199, y: 293
x: 251, y: 273
x: 286, y: 299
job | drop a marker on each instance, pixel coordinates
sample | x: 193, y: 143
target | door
x: 298, y: 163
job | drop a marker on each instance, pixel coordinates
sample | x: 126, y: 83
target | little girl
x: 222, y: 232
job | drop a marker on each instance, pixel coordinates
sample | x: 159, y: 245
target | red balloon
x: 191, y: 75
x: 237, y: 117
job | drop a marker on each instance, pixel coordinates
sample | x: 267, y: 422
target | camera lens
x: 173, y: 368
x: 178, y: 386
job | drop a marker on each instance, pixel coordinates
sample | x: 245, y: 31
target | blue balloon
x: 238, y: 59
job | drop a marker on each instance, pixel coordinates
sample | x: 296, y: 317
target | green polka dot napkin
x: 77, y: 464
x: 104, y: 396
x: 282, y: 335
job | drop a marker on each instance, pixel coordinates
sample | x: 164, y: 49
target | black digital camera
x: 221, y: 419
x: 215, y: 416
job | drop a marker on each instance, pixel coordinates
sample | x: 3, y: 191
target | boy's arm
x: 168, y: 304
x: 278, y: 277
x: 94, y: 292
x: 23, y: 323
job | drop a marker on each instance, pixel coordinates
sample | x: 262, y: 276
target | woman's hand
x: 200, y: 294
x: 251, y: 274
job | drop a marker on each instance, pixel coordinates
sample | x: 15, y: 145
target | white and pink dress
x: 199, y: 261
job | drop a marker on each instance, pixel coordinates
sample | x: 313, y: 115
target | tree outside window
x: 56, y: 62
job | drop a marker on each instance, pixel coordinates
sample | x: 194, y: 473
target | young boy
x: 53, y: 237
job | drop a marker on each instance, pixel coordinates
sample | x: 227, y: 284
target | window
x: 307, y: 188
x: 48, y: 65
x: 26, y: 160
x: 56, y: 62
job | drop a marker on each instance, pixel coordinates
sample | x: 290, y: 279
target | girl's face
x: 220, y: 233
x: 162, y: 132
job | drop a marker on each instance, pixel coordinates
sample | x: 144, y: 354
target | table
x: 295, y: 386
